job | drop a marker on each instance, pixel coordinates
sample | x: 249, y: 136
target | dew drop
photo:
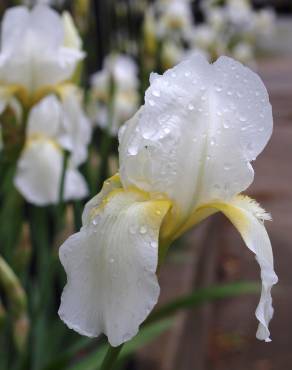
x: 132, y: 150
x: 158, y: 212
x: 143, y: 230
x: 227, y: 166
x: 191, y: 106
x: 229, y: 93
x: 154, y: 245
x: 187, y: 73
x: 218, y: 88
x: 242, y: 119
x: 151, y: 102
x: 166, y: 130
x: 212, y: 141
x: 226, y: 125
x: 156, y: 93
x: 173, y: 74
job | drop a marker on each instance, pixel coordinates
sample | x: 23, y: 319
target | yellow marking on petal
x: 40, y: 137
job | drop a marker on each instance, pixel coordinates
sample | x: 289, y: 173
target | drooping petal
x: 200, y: 127
x: 248, y: 218
x: 39, y: 171
x: 111, y: 265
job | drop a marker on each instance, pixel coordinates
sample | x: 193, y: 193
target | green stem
x: 107, y: 139
x: 62, y: 183
x: 111, y: 357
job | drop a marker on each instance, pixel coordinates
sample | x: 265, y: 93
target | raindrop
x: 132, y: 150
x: 226, y: 125
x: 261, y: 129
x: 191, y: 106
x: 166, y: 130
x: 229, y: 93
x: 187, y: 73
x: 227, y: 166
x: 212, y: 141
x: 151, y: 102
x: 143, y: 230
x: 156, y: 93
x: 242, y: 119
x: 219, y: 113
x: 154, y: 245
x: 158, y: 212
x: 218, y: 88
x: 173, y: 74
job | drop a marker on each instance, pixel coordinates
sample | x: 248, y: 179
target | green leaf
x: 204, y: 295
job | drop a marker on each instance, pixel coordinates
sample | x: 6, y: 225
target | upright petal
x: 45, y: 117
x: 76, y: 128
x: 248, y: 218
x: 200, y: 127
x: 111, y: 265
x: 32, y: 51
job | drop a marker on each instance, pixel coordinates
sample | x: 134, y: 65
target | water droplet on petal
x: 212, y: 141
x: 191, y: 106
x: 154, y: 245
x: 156, y: 93
x: 151, y: 102
x: 218, y: 88
x: 143, y: 230
x: 227, y: 166
x: 111, y: 260
x: 242, y: 119
x: 187, y: 73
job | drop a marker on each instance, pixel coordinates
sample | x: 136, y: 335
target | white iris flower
x: 33, y: 54
x: 121, y: 71
x: 185, y: 155
x: 54, y: 126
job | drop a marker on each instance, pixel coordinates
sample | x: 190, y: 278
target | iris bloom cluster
x: 40, y: 51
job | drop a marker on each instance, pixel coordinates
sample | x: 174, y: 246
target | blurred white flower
x: 171, y: 54
x: 265, y: 21
x: 204, y: 37
x: 174, y: 16
x: 53, y: 126
x: 120, y: 74
x: 244, y: 53
x: 33, y: 55
x: 184, y: 155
